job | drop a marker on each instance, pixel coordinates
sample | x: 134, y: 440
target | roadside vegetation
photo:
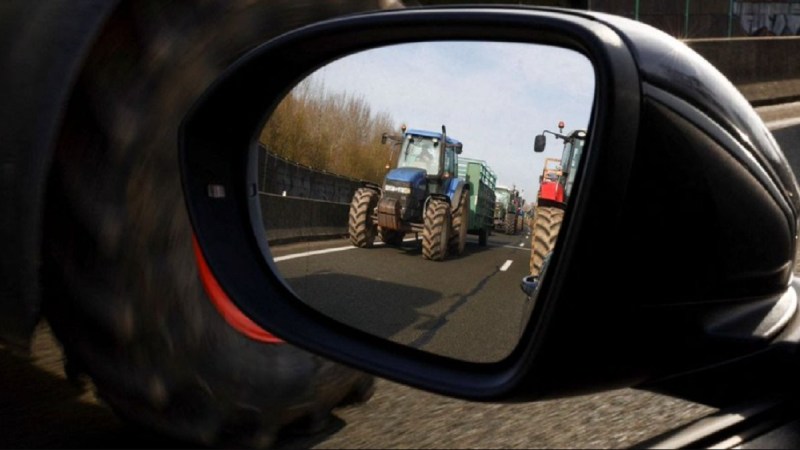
x: 335, y: 132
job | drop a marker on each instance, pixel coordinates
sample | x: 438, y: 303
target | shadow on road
x: 378, y: 307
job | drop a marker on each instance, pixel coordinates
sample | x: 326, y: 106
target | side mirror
x: 654, y: 269
x: 539, y: 143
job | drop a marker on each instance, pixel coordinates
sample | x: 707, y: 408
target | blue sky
x: 495, y: 97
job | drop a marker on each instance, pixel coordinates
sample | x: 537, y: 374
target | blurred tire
x: 121, y: 287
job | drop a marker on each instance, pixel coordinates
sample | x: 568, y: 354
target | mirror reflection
x: 406, y: 190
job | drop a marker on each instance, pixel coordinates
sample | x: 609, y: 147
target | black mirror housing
x: 660, y: 153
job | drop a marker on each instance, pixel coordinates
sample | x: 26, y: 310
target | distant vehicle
x: 508, y: 210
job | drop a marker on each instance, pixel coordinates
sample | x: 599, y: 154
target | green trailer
x: 481, y: 180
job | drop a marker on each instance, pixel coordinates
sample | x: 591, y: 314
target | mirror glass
x: 401, y: 195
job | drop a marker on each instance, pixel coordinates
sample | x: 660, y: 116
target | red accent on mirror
x: 233, y: 315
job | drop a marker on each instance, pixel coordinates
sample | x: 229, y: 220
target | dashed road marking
x: 506, y: 265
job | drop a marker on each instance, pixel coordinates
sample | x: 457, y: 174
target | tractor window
x: 572, y: 167
x: 422, y: 153
x: 450, y: 161
x: 566, y: 156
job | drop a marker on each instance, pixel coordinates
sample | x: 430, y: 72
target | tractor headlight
x: 399, y: 189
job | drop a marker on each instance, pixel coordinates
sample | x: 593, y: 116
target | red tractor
x: 555, y: 185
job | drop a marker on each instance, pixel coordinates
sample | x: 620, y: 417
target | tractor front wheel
x: 436, y: 232
x: 362, y: 227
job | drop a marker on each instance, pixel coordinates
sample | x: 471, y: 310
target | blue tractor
x: 423, y: 194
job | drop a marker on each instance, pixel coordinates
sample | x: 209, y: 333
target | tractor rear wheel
x: 436, y: 232
x: 458, y: 232
x: 362, y: 228
x: 546, y: 225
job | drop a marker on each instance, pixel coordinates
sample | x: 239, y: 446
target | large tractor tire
x: 361, y: 225
x: 392, y: 237
x: 460, y: 226
x: 436, y: 233
x: 546, y: 225
x: 121, y: 286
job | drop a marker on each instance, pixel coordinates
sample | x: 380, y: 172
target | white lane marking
x: 316, y: 252
x: 509, y: 246
x: 505, y: 266
x: 327, y: 250
x: 522, y: 244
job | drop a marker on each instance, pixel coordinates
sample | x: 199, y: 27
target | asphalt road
x: 432, y: 309
x: 465, y: 307
x: 40, y: 409
x: 468, y: 307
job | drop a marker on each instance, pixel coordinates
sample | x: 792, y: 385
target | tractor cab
x: 427, y: 161
x: 435, y: 153
x: 421, y: 152
x: 570, y: 157
x: 555, y: 184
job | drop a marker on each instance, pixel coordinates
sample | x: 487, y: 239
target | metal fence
x: 301, y: 203
x: 282, y: 177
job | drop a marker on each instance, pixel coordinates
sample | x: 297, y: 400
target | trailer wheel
x: 121, y: 288
x: 361, y: 226
x: 458, y: 232
x: 546, y: 225
x: 436, y: 232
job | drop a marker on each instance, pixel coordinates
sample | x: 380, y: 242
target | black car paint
x: 577, y: 345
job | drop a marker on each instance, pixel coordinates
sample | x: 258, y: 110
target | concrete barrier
x: 765, y: 69
x: 291, y: 219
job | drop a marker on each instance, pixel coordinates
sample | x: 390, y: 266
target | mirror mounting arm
x: 390, y: 137
x: 557, y: 135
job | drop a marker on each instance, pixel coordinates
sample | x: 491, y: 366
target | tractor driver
x: 425, y: 155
